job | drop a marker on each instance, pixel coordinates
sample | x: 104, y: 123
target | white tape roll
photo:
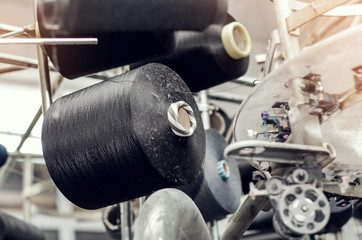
x: 236, y: 40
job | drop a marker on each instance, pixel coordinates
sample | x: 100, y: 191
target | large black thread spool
x: 214, y: 196
x: 125, y: 30
x: 205, y: 59
x: 113, y: 142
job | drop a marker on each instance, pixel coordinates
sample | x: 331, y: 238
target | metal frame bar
x: 11, y: 162
x: 50, y: 41
x: 20, y: 61
x: 10, y: 69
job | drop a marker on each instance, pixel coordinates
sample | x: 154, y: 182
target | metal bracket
x: 253, y: 150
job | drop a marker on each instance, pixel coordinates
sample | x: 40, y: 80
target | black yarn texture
x: 215, y: 197
x: 12, y: 228
x: 112, y: 142
x: 126, y: 30
x: 109, y: 16
x: 200, y: 57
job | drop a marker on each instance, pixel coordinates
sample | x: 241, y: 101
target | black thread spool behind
x: 214, y: 196
x: 113, y: 50
x: 12, y: 228
x: 3, y: 155
x: 94, y: 16
x: 125, y: 30
x: 200, y: 58
x: 112, y: 142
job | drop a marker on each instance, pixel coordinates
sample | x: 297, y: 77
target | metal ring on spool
x: 303, y: 209
x: 236, y: 40
x: 223, y: 169
x: 182, y: 119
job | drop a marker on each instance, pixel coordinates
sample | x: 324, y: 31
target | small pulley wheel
x: 303, y: 209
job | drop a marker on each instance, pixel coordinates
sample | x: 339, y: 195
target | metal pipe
x: 10, y: 69
x: 290, y: 43
x: 28, y: 170
x: 44, y: 75
x: 4, y: 28
x: 125, y: 228
x: 20, y: 61
x: 244, y: 216
x: 247, y: 82
x: 25, y: 155
x: 170, y: 214
x: 10, y: 162
x: 12, y: 34
x: 50, y: 41
x: 37, y: 115
x: 214, y: 230
x: 204, y: 109
x: 30, y: 128
x: 226, y: 97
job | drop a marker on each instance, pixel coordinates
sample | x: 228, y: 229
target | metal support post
x: 290, y: 43
x: 245, y: 215
x: 125, y: 228
x: 28, y: 170
x: 204, y: 108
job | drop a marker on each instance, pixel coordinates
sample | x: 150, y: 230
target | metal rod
x: 28, y: 131
x: 44, y: 79
x: 18, y: 61
x: 51, y: 41
x: 37, y: 116
x: 225, y: 97
x: 4, y: 28
x: 12, y: 34
x: 214, y: 230
x: 44, y: 69
x: 244, y: 216
x: 10, y: 162
x: 290, y: 43
x: 125, y: 230
x: 247, y: 82
x: 25, y: 155
x: 10, y: 69
x: 204, y: 109
x: 28, y: 170
x: 142, y: 201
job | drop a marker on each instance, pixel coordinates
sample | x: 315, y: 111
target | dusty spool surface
x: 343, y: 129
x: 112, y: 142
x: 214, y: 196
x: 200, y: 57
